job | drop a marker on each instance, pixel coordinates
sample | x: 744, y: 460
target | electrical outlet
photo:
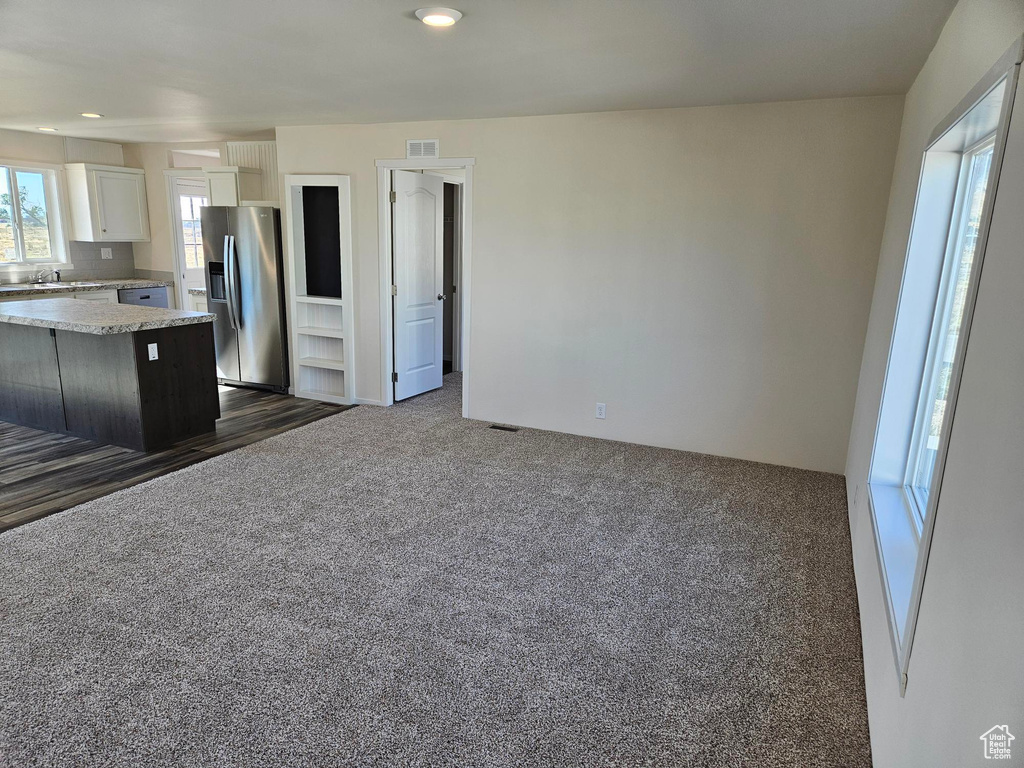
x: 153, y: 354
x: 106, y: 253
x: 600, y: 410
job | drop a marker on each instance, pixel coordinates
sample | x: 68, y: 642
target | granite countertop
x: 95, y: 317
x: 197, y: 291
x: 24, y: 289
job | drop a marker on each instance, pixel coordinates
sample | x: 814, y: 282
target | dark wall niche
x: 322, y: 241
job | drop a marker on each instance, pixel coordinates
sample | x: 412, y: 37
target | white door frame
x: 384, y: 230
x: 171, y: 177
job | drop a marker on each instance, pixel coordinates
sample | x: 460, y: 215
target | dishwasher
x: 144, y: 297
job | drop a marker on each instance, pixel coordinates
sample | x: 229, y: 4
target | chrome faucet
x: 43, y: 276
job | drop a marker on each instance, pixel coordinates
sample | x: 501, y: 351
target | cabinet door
x: 101, y: 297
x: 121, y: 206
x: 223, y: 188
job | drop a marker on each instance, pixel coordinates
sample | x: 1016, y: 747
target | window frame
x: 196, y: 243
x: 53, y: 193
x: 917, y: 503
x: 902, y: 545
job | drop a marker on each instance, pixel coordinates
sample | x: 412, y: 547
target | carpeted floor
x: 403, y: 587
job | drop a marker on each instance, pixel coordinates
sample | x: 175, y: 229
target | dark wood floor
x: 42, y: 473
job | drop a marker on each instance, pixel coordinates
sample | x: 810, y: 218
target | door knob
x: 441, y: 297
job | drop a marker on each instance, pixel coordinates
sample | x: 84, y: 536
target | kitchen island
x: 138, y: 377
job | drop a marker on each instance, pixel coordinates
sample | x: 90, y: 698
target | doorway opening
x: 425, y: 255
x: 452, y: 193
x: 187, y: 195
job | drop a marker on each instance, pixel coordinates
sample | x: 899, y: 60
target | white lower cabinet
x: 30, y: 298
x: 103, y: 297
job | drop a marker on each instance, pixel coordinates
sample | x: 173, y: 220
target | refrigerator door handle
x: 229, y: 280
x: 236, y: 282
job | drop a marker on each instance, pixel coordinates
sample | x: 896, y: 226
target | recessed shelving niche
x: 321, y: 319
x: 322, y: 382
x: 325, y: 351
x: 320, y: 266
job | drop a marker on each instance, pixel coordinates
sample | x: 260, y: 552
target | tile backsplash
x: 88, y: 264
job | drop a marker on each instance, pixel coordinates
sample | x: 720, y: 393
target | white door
x: 418, y: 216
x: 190, y: 196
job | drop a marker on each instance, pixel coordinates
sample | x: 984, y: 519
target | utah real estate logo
x: 997, y: 742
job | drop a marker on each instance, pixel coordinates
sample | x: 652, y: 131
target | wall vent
x: 420, y: 148
x: 503, y: 428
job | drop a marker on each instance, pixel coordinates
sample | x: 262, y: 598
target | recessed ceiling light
x: 438, y: 17
x: 93, y: 115
x: 48, y: 129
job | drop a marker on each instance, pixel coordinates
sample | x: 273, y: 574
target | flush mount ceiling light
x: 438, y: 17
x: 49, y: 130
x: 93, y: 115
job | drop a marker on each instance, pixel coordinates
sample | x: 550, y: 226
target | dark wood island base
x: 105, y: 387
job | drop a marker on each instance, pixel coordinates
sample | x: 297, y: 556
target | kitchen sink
x: 45, y: 286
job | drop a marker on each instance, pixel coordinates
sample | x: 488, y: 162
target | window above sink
x: 30, y: 227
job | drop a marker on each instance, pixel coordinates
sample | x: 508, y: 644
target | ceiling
x: 214, y: 69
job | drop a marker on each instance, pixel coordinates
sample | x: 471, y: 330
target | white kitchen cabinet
x: 108, y: 203
x: 102, y: 297
x: 231, y: 184
x: 32, y: 297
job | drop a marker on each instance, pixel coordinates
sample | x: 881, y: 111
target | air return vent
x: 417, y: 148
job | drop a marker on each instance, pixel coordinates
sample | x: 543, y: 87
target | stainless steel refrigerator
x: 245, y: 290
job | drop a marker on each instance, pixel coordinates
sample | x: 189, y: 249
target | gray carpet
x: 403, y: 587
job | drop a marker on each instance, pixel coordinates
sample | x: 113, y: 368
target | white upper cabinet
x: 231, y: 184
x: 108, y: 203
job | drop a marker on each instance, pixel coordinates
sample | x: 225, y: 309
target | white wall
x: 156, y: 258
x: 705, y: 272
x: 185, y: 159
x: 966, y: 672
x: 31, y: 147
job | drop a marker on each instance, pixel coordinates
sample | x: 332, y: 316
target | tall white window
x: 952, y: 214
x: 29, y: 231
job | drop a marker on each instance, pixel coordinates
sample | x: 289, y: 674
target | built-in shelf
x: 312, y: 330
x: 322, y: 362
x: 321, y: 325
x: 321, y: 383
x: 320, y: 300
